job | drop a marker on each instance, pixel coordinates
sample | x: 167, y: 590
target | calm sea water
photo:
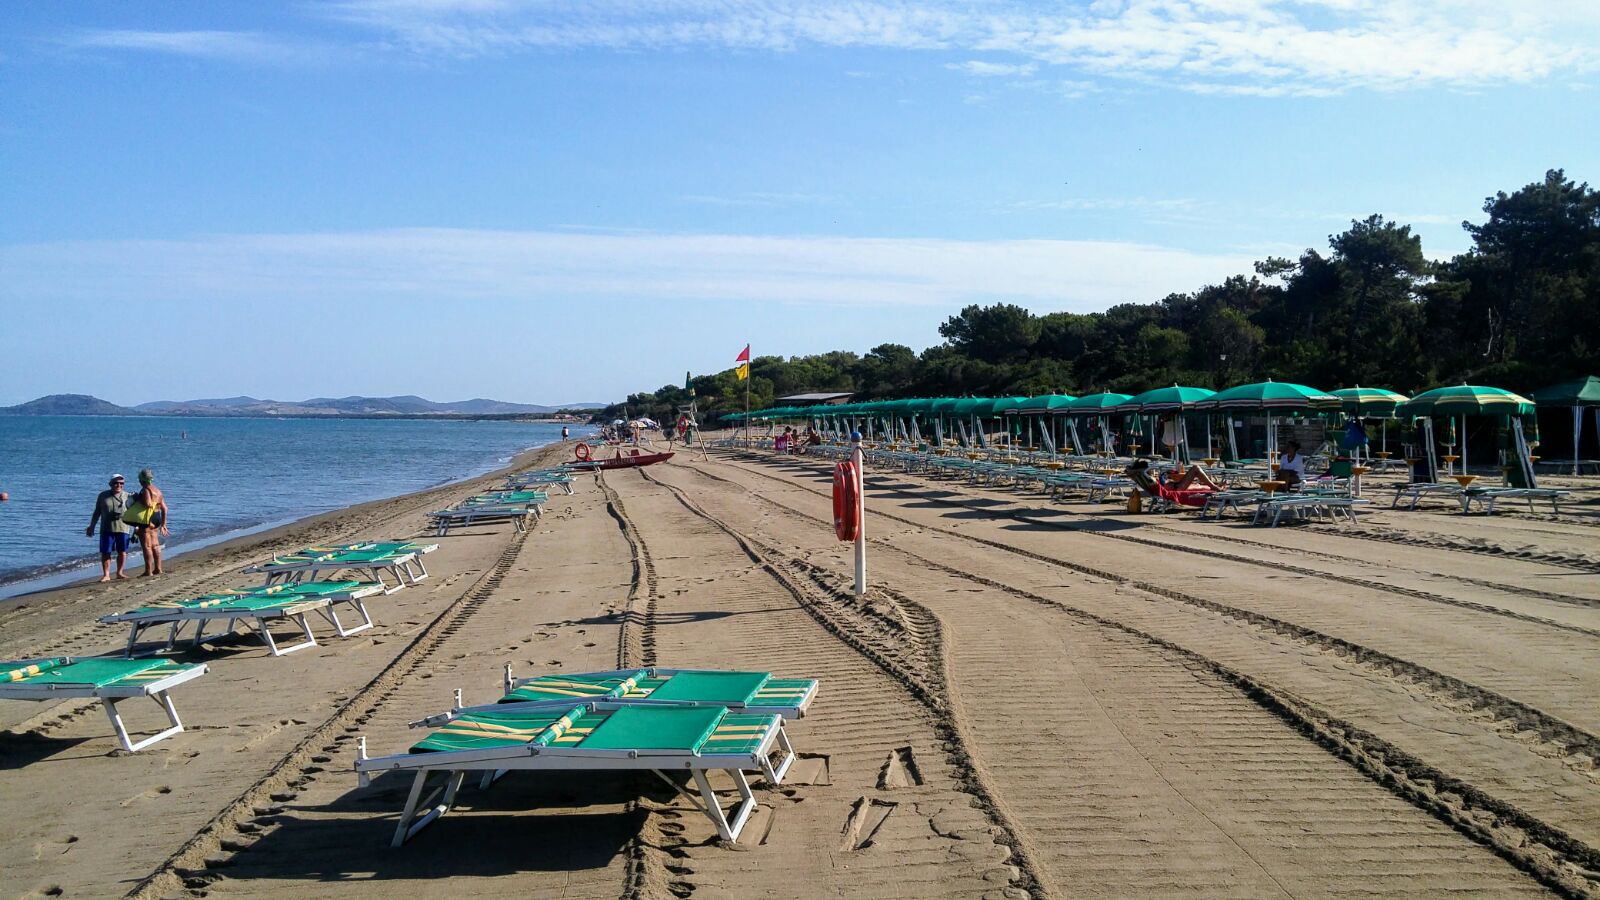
x: 222, y: 477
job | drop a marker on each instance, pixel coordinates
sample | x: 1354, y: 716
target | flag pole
x: 747, y: 399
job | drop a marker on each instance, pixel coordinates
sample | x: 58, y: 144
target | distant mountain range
x: 85, y: 405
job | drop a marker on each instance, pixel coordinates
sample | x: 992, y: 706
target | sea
x: 223, y: 477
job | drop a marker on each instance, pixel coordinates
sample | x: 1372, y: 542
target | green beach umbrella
x: 1364, y: 401
x: 1045, y: 403
x: 1466, y: 400
x: 1095, y: 404
x: 995, y: 406
x: 1165, y: 399
x: 1008, y: 406
x: 1271, y: 395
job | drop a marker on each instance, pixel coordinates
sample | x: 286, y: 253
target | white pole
x: 1577, y: 434
x: 861, y: 531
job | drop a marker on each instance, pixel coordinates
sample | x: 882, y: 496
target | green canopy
x: 1271, y: 395
x: 992, y: 406
x: 1466, y: 400
x: 968, y: 406
x: 1363, y: 401
x: 1045, y: 403
x: 1583, y: 391
x: 1096, y: 403
x: 944, y: 406
x: 1164, y: 399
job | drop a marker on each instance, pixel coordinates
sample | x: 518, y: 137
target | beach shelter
x: 1270, y: 397
x: 1462, y: 400
x: 1579, y: 393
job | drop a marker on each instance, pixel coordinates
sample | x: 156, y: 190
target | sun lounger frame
x: 109, y: 696
x: 494, y: 762
x: 518, y: 515
x: 407, y: 569
x: 1486, y: 497
x: 326, y: 606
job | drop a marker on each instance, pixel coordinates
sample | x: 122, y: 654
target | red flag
x: 744, y: 355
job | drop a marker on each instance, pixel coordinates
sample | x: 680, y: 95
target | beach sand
x: 1035, y: 698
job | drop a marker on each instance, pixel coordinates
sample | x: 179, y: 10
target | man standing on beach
x: 108, y: 510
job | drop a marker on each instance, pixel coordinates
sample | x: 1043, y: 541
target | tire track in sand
x: 1562, y: 862
x: 912, y: 828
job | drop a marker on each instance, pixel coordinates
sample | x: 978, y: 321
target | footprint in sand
x: 149, y: 794
x: 54, y: 846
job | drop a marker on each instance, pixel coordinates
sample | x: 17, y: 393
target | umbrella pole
x: 1577, y: 435
x: 1464, y: 443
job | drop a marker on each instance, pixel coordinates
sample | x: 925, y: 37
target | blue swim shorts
x: 113, y: 542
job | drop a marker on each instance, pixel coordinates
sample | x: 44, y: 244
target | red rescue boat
x: 620, y: 461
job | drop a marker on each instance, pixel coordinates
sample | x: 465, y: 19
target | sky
x: 555, y: 201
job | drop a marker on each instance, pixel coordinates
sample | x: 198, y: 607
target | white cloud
x: 983, y: 69
x: 447, y: 264
x: 226, y: 45
x: 1265, y: 48
x: 1253, y: 47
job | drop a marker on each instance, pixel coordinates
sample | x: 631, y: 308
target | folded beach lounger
x: 593, y: 736
x: 108, y: 680
x: 518, y: 514
x: 259, y: 606
x: 508, y: 498
x: 1486, y: 497
x: 746, y: 692
x: 1272, y: 509
x: 1416, y: 490
x: 540, y: 479
x: 397, y: 559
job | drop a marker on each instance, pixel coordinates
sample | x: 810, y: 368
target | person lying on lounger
x: 1195, y: 477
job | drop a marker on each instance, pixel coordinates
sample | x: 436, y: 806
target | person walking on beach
x: 108, y: 510
x: 565, y: 432
x: 150, y: 497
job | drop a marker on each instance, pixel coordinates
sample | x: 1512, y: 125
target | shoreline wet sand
x: 1034, y: 698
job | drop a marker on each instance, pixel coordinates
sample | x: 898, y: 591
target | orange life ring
x: 581, y: 452
x: 847, y: 501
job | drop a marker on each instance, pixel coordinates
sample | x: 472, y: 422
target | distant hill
x: 406, y: 405
x: 67, y: 405
x: 222, y: 403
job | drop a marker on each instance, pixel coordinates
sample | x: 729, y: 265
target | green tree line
x: 1520, y: 309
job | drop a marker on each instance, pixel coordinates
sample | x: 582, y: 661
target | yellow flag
x: 743, y: 371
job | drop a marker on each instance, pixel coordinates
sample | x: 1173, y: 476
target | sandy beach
x: 1036, y: 698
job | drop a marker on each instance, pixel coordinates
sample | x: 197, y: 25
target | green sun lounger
x: 753, y: 692
x: 259, y: 606
x: 525, y: 505
x: 593, y: 736
x: 542, y: 478
x: 108, y: 680
x: 400, y: 559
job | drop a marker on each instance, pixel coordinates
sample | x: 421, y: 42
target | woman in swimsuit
x: 150, y: 535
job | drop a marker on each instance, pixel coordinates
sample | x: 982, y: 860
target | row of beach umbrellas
x: 1266, y: 396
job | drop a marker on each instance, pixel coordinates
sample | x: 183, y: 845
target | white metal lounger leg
x: 729, y: 830
x: 298, y: 619
x: 331, y: 613
x: 407, y: 828
x: 162, y: 700
x: 422, y: 570
x: 775, y: 774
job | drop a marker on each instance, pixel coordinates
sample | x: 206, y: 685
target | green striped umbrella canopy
x: 1272, y: 395
x: 1466, y: 400
x: 1094, y: 404
x: 995, y: 406
x: 943, y: 406
x: 1045, y: 403
x: 918, y: 406
x: 1007, y: 406
x: 1364, y: 401
x: 1164, y: 399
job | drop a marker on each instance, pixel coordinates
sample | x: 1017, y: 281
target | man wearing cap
x: 114, y: 533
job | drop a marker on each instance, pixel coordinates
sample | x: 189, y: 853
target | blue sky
x: 551, y: 201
